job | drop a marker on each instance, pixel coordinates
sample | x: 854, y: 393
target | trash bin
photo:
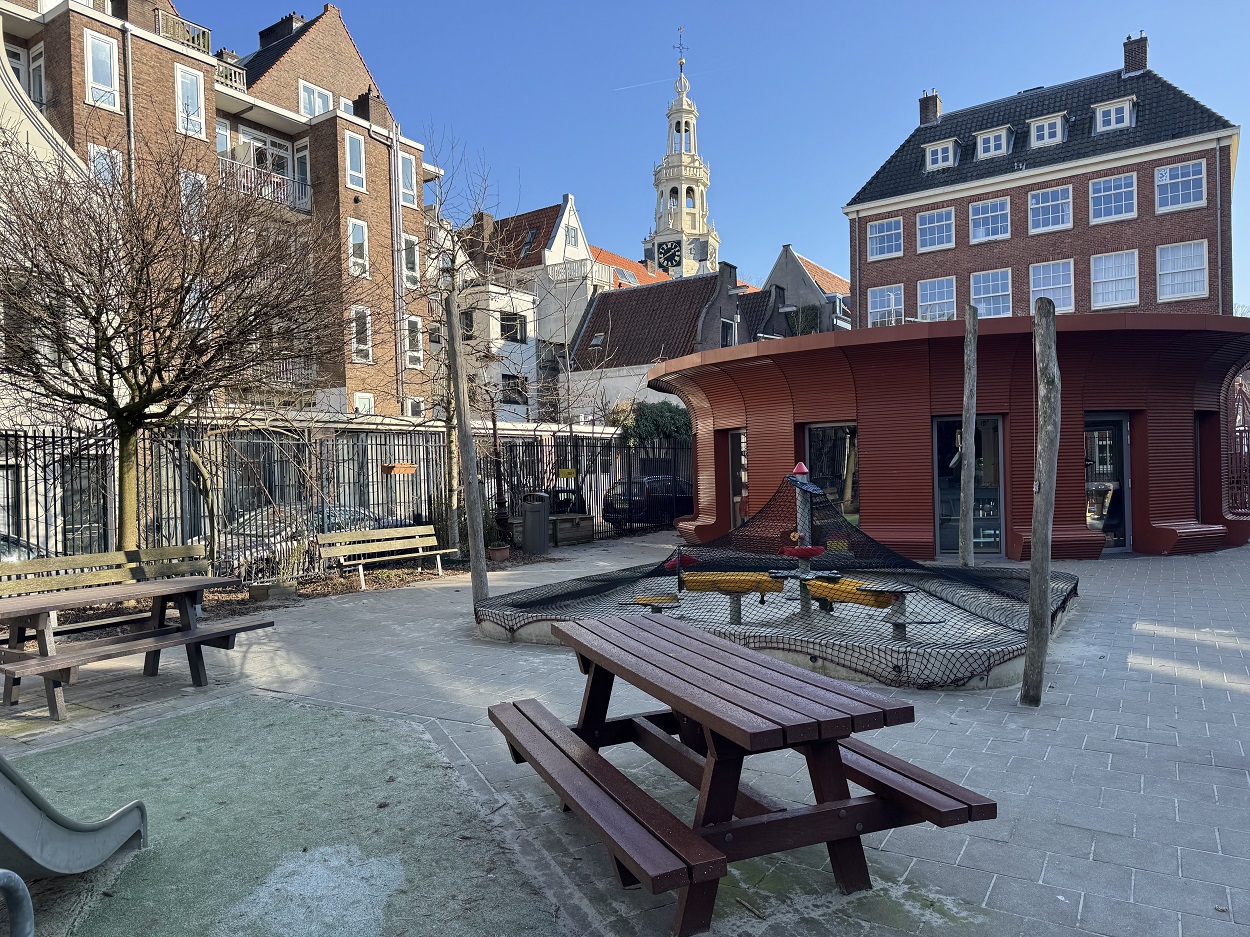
x: 535, y: 520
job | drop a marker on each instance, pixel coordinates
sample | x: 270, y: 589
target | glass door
x: 833, y: 464
x: 987, y: 512
x: 738, y: 505
x: 1106, y: 480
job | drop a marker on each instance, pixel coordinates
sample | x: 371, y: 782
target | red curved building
x: 1111, y: 196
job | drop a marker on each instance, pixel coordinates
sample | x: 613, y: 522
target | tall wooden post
x: 1044, y: 471
x: 968, y: 459
x: 464, y: 441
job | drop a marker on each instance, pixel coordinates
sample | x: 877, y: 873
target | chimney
x: 281, y: 29
x: 1135, y: 54
x: 930, y: 108
x: 229, y: 56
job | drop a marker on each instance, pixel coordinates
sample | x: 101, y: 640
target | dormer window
x: 1113, y: 115
x: 529, y: 242
x: 940, y: 155
x: 991, y: 143
x: 1046, y: 131
x: 597, y: 341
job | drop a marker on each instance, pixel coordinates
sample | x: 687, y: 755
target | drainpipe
x: 397, y: 263
x: 1219, y: 229
x: 127, y: 29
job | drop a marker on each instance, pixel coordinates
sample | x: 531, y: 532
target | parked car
x: 650, y: 501
x: 14, y: 549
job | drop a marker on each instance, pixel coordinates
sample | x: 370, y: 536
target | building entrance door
x: 1107, y: 484
x: 987, y: 513
x: 739, y: 508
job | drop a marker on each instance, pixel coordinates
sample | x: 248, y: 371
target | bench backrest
x: 343, y: 543
x: 54, y: 573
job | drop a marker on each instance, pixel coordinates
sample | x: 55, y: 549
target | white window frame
x: 1003, y: 133
x: 362, y: 353
x: 347, y: 105
x: 947, y: 152
x: 356, y: 267
x: 35, y: 64
x: 408, y: 168
x: 363, y: 403
x: 1206, y: 274
x: 1093, y: 281
x: 897, y: 314
x: 23, y: 60
x: 88, y: 37
x: 222, y: 125
x: 412, y: 277
x: 924, y: 316
x: 414, y: 357
x: 972, y: 238
x: 1183, y: 206
x: 96, y: 153
x: 570, y: 235
x: 316, y: 92
x: 350, y: 175
x: 870, y: 235
x: 408, y: 408
x: 972, y: 293
x: 1108, y: 219
x: 950, y: 225
x: 1054, y: 227
x: 1036, y: 293
x: 1060, y: 123
x: 1110, y: 107
x: 185, y: 122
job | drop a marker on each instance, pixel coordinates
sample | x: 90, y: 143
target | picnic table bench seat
x: 359, y: 548
x: 649, y: 845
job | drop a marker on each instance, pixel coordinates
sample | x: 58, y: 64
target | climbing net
x: 800, y: 579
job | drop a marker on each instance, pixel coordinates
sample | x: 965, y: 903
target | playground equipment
x: 830, y: 598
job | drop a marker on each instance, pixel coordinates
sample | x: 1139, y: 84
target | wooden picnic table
x: 724, y: 704
x: 37, y: 612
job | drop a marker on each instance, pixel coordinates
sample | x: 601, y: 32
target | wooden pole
x: 1044, y: 471
x: 464, y: 440
x: 968, y: 459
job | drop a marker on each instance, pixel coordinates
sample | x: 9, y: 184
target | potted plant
x: 283, y: 587
x: 498, y: 551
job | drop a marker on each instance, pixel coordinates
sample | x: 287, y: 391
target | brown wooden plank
x: 141, y: 644
x: 16, y: 606
x: 83, y: 561
x: 751, y: 731
x: 377, y: 533
x: 979, y: 806
x: 914, y: 796
x: 705, y: 862
x: 852, y: 715
x: 645, y: 856
x: 894, y: 711
x: 824, y: 720
x: 379, y: 546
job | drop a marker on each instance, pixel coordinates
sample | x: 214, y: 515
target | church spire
x: 682, y: 242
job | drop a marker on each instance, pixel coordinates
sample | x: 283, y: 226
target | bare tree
x: 134, y: 300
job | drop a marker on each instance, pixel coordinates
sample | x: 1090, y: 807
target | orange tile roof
x: 827, y: 280
x: 644, y: 276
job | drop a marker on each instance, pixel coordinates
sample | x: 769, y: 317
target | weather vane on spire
x: 681, y: 48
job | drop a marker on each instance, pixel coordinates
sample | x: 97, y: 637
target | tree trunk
x: 468, y: 457
x: 127, y: 487
x: 1045, y: 466
x: 968, y: 457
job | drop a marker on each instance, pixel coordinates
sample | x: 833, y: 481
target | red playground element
x: 799, y: 469
x: 686, y: 561
x: 803, y: 553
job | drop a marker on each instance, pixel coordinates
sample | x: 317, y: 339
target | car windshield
x: 622, y: 488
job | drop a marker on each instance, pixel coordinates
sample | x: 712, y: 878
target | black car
x: 648, y: 501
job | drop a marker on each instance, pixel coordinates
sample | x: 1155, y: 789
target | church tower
x: 682, y: 242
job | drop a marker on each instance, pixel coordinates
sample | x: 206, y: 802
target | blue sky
x: 799, y: 102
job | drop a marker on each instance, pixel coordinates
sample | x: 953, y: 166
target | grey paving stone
x: 1099, y: 878
x: 1192, y: 926
x: 1003, y: 858
x: 1114, y: 918
x: 1211, y: 867
x: 1180, y: 894
x: 1136, y: 853
x: 1029, y: 899
x: 969, y: 884
x: 1052, y: 837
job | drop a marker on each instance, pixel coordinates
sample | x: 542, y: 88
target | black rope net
x: 799, y: 578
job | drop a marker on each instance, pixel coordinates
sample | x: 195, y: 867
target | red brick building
x: 1111, y: 196
x: 300, y: 121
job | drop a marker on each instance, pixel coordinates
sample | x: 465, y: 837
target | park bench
x: 33, y: 592
x: 724, y: 704
x: 361, y: 547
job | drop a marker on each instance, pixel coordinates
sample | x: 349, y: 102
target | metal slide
x: 38, y: 841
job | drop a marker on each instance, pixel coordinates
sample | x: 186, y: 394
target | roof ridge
x: 1019, y: 94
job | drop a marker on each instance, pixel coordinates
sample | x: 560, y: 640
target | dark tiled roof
x: 264, y: 59
x: 1164, y: 112
x: 644, y: 324
x: 623, y: 265
x: 516, y: 248
x: 826, y: 280
x: 753, y: 310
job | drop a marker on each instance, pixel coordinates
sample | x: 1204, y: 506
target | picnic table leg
x: 824, y: 766
x: 595, y: 699
x: 52, y: 686
x: 17, y: 641
x: 722, y: 773
x: 152, y: 659
x: 185, y: 604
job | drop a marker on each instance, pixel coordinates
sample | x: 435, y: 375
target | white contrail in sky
x: 660, y: 81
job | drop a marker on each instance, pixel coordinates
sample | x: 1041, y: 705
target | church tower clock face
x: 668, y: 254
x: 683, y: 242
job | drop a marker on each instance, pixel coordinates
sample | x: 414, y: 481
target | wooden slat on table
x: 740, y: 726
x: 895, y: 712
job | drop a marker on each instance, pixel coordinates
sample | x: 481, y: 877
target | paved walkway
x: 1124, y: 801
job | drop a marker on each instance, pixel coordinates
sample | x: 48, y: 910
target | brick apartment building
x: 1111, y: 192
x: 299, y: 121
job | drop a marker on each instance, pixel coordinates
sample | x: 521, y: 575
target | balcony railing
x: 231, y: 76
x: 264, y: 184
x: 184, y: 32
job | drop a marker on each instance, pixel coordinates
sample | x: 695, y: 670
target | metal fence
x: 1239, y: 470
